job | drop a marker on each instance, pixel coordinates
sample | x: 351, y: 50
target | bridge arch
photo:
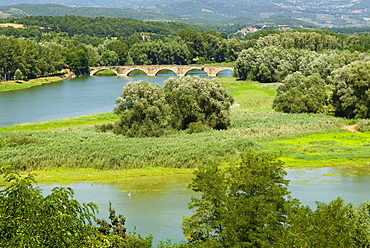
x: 225, y: 73
x: 98, y: 69
x: 199, y: 70
x: 136, y: 70
x: 165, y: 69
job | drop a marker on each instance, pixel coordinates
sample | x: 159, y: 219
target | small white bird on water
x: 129, y: 194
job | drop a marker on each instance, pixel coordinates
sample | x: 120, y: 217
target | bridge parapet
x: 152, y: 70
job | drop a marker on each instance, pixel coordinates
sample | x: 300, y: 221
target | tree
x: 351, y: 96
x: 333, y: 224
x: 109, y: 58
x: 143, y: 110
x: 78, y: 60
x: 243, y: 205
x: 29, y: 219
x: 195, y: 99
x: 301, y: 94
x: 146, y: 109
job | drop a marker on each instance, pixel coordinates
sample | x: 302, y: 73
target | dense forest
x: 46, y: 45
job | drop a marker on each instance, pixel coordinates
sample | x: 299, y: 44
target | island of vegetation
x: 291, y: 95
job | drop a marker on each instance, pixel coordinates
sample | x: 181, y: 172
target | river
x: 157, y: 205
x: 70, y: 98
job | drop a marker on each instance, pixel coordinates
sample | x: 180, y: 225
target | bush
x: 143, y: 111
x: 351, y: 96
x: 363, y: 126
x: 301, y: 94
x: 105, y: 127
x: 195, y: 99
x: 21, y: 140
x: 147, y: 110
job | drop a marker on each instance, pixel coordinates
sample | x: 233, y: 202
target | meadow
x: 301, y: 140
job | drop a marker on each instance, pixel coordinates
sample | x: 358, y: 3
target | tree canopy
x: 148, y: 110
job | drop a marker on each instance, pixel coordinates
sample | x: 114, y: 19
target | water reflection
x: 70, y: 98
x: 157, y: 204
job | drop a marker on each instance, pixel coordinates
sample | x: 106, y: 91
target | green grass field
x: 13, y: 85
x: 302, y: 140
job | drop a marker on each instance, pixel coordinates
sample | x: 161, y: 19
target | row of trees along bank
x: 82, y: 44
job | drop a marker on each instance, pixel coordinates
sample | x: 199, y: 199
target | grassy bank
x: 303, y: 140
x: 17, y: 85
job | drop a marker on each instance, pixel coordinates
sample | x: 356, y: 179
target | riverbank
x: 21, y: 84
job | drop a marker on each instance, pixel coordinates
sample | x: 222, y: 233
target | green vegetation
x: 247, y: 204
x: 77, y: 143
x: 192, y: 103
x: 30, y: 219
x: 12, y: 85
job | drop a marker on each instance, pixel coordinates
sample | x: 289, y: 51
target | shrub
x: 21, y: 140
x: 301, y: 94
x: 363, y: 126
x: 105, y: 127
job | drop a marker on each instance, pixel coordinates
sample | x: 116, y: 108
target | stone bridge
x: 152, y: 70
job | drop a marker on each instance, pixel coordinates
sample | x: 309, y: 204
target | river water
x: 71, y: 98
x: 155, y: 205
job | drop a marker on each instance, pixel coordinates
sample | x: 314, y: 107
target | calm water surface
x: 69, y: 98
x: 157, y: 205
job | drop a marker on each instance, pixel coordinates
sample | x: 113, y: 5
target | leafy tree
x: 243, y: 205
x: 120, y: 48
x: 158, y: 52
x: 351, y: 96
x: 194, y: 42
x: 333, y: 224
x: 301, y: 94
x: 109, y: 58
x: 143, y: 110
x: 195, y: 99
x: 214, y: 47
x: 29, y: 219
x: 78, y: 60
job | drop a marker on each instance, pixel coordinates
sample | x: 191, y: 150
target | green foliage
x: 195, y: 99
x: 28, y: 58
x: 248, y: 205
x: 148, y: 110
x: 77, y: 60
x: 104, y: 127
x: 29, y: 219
x: 143, y: 111
x: 21, y: 140
x: 159, y: 53
x: 300, y: 94
x: 363, y: 125
x: 243, y: 205
x: 331, y: 225
x: 351, y: 96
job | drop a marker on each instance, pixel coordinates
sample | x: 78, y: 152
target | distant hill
x: 324, y: 13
